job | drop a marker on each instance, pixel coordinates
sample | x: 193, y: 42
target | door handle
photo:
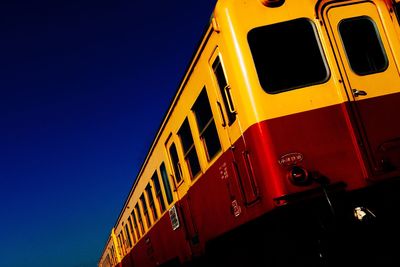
x: 227, y: 91
x: 357, y: 92
x: 221, y: 113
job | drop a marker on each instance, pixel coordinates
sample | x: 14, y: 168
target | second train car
x: 285, y: 125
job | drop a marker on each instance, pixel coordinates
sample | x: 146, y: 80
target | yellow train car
x: 285, y: 123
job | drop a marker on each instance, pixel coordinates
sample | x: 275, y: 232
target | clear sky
x: 84, y: 86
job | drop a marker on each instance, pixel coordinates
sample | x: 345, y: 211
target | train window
x: 206, y: 125
x: 189, y: 149
x: 132, y: 230
x: 288, y: 55
x: 159, y: 195
x: 151, y: 201
x: 363, y: 45
x: 140, y: 220
x: 397, y: 10
x: 128, y: 235
x: 107, y: 261
x: 165, y: 180
x: 175, y: 163
x: 135, y: 222
x: 121, y: 242
x: 113, y: 254
x: 222, y: 83
x: 145, y: 210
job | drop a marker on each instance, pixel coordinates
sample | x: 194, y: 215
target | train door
x: 371, y: 78
x: 241, y: 162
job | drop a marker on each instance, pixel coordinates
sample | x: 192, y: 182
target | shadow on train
x: 337, y: 229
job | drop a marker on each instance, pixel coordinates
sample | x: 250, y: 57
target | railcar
x: 285, y: 124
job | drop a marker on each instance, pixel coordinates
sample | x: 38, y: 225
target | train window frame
x: 206, y: 125
x: 152, y: 204
x: 128, y: 236
x: 176, y: 165
x: 140, y: 219
x: 166, y: 183
x: 136, y: 223
x: 158, y: 191
x: 272, y: 69
x: 111, y: 249
x: 354, y: 37
x: 145, y: 209
x: 222, y: 83
x: 189, y: 149
x: 107, y: 260
x: 121, y: 241
x: 132, y: 230
x: 396, y: 6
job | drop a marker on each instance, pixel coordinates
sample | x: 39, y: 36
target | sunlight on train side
x: 241, y: 60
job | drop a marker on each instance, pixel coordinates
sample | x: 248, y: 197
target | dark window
x: 397, y: 9
x: 363, y: 45
x: 151, y: 201
x: 175, y: 163
x: 113, y: 253
x: 159, y: 195
x: 107, y: 262
x: 287, y: 55
x: 206, y: 125
x: 140, y: 220
x: 128, y: 234
x: 132, y: 230
x: 221, y: 79
x: 189, y: 150
x: 165, y: 180
x: 145, y: 210
x: 135, y: 222
x: 121, y: 242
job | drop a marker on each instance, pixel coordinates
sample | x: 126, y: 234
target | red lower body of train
x: 248, y: 209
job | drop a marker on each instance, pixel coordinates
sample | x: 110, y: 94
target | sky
x: 84, y: 86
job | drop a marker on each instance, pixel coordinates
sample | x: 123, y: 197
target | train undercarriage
x: 333, y: 229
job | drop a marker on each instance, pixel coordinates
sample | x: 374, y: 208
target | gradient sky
x: 84, y: 86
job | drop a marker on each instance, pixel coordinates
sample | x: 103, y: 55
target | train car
x: 284, y: 125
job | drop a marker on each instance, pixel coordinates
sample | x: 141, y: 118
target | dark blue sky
x: 84, y: 86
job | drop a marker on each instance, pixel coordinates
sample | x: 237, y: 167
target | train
x: 281, y: 146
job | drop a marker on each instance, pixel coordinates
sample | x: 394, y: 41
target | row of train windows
x: 280, y: 64
x: 206, y: 128
x: 134, y: 228
x: 208, y: 134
